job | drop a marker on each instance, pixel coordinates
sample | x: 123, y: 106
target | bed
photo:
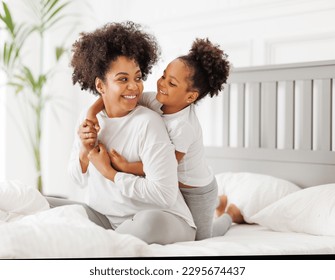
x: 276, y: 162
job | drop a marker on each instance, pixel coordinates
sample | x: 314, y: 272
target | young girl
x: 185, y: 81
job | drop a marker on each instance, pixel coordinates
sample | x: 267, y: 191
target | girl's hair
x: 94, y: 51
x: 209, y: 68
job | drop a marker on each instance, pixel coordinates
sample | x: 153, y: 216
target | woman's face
x: 122, y: 88
x: 172, y: 87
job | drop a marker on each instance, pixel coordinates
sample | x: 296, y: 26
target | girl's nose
x: 160, y: 82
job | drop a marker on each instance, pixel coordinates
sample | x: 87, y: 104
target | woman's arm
x: 84, y: 141
x: 179, y: 156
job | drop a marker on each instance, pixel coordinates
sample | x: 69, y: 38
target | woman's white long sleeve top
x: 139, y: 136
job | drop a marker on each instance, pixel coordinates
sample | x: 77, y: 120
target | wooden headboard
x: 279, y: 120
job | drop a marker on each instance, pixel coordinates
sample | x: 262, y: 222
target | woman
x: 112, y: 62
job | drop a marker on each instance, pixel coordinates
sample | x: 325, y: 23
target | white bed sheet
x: 248, y: 240
x: 66, y: 232
x: 29, y: 229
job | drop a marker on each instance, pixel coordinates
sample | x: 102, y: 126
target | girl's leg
x: 221, y: 205
x: 202, y: 202
x: 224, y: 222
x: 221, y: 225
x: 158, y: 226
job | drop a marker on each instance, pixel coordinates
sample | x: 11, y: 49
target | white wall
x: 2, y: 134
x: 253, y: 32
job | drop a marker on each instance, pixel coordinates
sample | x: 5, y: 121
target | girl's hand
x: 118, y: 161
x: 94, y: 120
x: 88, y: 135
x: 101, y: 160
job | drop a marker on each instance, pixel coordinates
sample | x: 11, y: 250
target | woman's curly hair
x: 94, y: 51
x: 209, y: 68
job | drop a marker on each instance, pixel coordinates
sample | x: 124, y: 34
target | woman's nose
x: 132, y: 85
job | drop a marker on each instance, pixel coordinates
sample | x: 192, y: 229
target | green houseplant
x: 31, y: 79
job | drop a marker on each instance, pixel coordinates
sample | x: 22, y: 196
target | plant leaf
x: 59, y: 52
x: 7, y: 18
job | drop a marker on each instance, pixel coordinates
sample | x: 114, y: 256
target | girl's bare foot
x: 235, y: 214
x: 222, y: 205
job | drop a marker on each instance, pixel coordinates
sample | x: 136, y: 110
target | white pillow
x: 252, y: 192
x: 311, y: 210
x: 19, y: 198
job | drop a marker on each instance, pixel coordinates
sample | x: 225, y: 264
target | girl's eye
x: 172, y: 84
x: 163, y: 77
x: 123, y: 79
x: 139, y: 78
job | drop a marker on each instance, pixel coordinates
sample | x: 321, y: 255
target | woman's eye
x: 172, y: 84
x: 123, y: 79
x: 139, y: 78
x: 163, y: 77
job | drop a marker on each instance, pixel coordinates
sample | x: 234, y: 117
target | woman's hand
x: 101, y: 160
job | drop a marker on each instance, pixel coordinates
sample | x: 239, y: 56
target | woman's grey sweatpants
x: 202, y: 202
x: 151, y: 226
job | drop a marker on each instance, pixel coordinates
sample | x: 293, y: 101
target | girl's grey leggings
x: 202, y: 202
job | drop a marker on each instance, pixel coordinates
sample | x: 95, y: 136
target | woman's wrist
x: 84, y: 161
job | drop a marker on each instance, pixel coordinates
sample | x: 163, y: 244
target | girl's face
x: 172, y: 88
x: 122, y: 88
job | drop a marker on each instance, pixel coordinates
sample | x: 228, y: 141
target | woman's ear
x: 99, y: 85
x: 192, y: 96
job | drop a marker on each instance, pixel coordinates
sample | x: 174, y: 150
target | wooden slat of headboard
x: 321, y: 115
x: 303, y: 115
x: 225, y: 114
x: 252, y: 115
x: 236, y: 115
x: 285, y: 115
x: 268, y: 133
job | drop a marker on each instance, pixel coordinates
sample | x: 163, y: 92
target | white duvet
x: 29, y: 229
